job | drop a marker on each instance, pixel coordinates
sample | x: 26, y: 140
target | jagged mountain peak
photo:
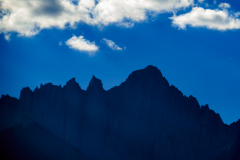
x: 26, y: 89
x: 7, y: 100
x: 143, y: 118
x: 152, y: 68
x: 72, y: 83
x: 147, y: 71
x: 95, y: 84
x: 150, y: 72
x: 5, y: 96
x: 148, y: 79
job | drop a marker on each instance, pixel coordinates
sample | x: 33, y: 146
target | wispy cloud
x: 212, y: 19
x: 81, y: 44
x: 237, y: 14
x: 7, y: 36
x: 111, y: 44
x: 224, y: 5
x: 201, y: 1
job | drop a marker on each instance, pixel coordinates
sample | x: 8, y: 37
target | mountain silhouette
x: 144, y: 118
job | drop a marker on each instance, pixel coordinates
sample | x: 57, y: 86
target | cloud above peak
x: 212, y: 19
x: 81, y: 44
x: 28, y: 17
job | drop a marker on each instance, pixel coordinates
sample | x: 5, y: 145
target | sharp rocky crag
x: 144, y: 118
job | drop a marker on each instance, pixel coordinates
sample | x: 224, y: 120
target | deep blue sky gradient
x: 199, y: 62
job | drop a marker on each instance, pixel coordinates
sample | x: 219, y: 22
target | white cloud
x: 212, y: 19
x: 81, y: 44
x: 126, y: 24
x: 29, y: 17
x: 112, y: 11
x: 224, y: 5
x: 60, y: 43
x: 111, y: 44
x: 237, y: 14
x: 7, y: 36
x: 214, y: 2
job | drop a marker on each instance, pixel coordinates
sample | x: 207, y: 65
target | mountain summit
x: 95, y: 84
x: 144, y: 118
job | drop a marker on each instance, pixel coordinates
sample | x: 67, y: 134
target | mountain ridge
x: 142, y: 118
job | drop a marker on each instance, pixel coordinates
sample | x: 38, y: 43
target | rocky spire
x: 72, y: 83
x: 95, y: 84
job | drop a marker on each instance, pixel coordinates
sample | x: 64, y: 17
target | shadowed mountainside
x: 142, y: 118
x: 35, y: 142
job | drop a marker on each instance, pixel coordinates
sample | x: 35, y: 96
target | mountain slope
x: 142, y: 118
x: 35, y: 142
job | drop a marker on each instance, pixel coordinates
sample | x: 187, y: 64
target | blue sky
x: 195, y: 44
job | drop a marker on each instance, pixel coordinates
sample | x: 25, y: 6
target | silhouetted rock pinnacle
x: 144, y: 118
x: 95, y: 84
x: 73, y: 84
